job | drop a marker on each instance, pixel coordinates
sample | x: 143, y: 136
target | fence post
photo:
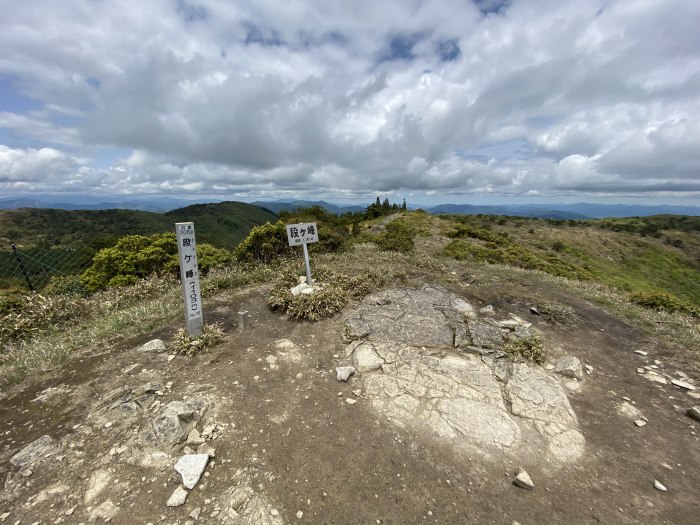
x: 21, y: 267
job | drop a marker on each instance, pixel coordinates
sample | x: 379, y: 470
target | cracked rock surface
x: 415, y: 375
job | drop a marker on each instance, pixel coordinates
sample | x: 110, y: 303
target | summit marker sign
x: 302, y: 234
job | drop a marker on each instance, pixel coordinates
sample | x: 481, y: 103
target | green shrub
x: 264, y: 243
x: 66, y: 285
x: 136, y: 257
x: 396, y: 237
x: 656, y: 300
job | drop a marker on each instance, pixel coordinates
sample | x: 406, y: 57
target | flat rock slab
x: 34, y: 451
x: 431, y: 316
x: 459, y: 398
x: 191, y: 467
x: 420, y: 317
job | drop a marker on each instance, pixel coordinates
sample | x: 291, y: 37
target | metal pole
x: 308, y: 266
x: 23, y: 270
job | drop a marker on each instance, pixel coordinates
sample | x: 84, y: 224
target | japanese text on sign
x: 189, y: 276
x: 304, y: 233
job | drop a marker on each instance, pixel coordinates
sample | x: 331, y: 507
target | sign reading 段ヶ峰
x: 189, y: 277
x: 303, y: 233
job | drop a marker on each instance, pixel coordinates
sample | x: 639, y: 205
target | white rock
x: 300, y: 514
x: 343, y: 373
x: 656, y: 378
x: 569, y: 366
x: 682, y: 384
x: 640, y: 422
x: 523, y: 480
x: 659, y: 486
x: 191, y: 468
x: 98, y: 482
x: 366, y: 359
x: 177, y: 498
x: 155, y: 345
x: 351, y: 401
x: 302, y: 289
x: 641, y: 352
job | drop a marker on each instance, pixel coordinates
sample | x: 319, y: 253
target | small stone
x: 343, y: 373
x: 486, y: 309
x: 357, y: 392
x: 274, y: 512
x: 682, y: 384
x: 193, y: 438
x: 351, y: 401
x: 156, y: 345
x: 569, y: 366
x: 523, y: 480
x: 70, y: 511
x: 191, y: 468
x: 177, y: 498
x: 195, y: 513
x: 171, y: 357
x: 694, y: 413
x: 206, y: 448
x: 589, y: 369
x: 4, y: 516
x: 640, y: 422
x: 640, y: 370
x: 641, y: 352
x: 659, y: 486
x: 534, y: 310
x: 300, y: 514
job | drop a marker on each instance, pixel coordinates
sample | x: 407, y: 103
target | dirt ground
x: 284, y: 422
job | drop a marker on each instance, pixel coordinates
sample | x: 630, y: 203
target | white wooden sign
x: 189, y: 277
x: 302, y: 234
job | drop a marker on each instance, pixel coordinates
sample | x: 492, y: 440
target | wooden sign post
x: 189, y: 277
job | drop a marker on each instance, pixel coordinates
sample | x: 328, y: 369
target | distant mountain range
x: 582, y: 210
x: 335, y: 209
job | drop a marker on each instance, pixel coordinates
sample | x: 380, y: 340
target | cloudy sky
x: 433, y: 100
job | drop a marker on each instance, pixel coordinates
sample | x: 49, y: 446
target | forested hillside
x: 79, y: 229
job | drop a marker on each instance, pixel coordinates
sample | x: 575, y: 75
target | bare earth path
x: 290, y: 448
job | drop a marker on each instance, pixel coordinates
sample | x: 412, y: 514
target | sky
x: 432, y: 101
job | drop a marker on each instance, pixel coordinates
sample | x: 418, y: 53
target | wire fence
x: 31, y: 269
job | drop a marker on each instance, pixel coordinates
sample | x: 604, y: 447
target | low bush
x: 137, y: 257
x: 398, y: 236
x: 183, y: 344
x: 656, y: 300
x: 529, y: 349
x: 332, y: 292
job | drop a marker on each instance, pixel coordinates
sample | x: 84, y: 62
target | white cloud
x: 355, y: 97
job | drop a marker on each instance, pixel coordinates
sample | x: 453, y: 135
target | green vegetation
x: 648, y: 277
x: 136, y: 257
x: 397, y: 237
x: 618, y: 252
x: 664, y: 301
